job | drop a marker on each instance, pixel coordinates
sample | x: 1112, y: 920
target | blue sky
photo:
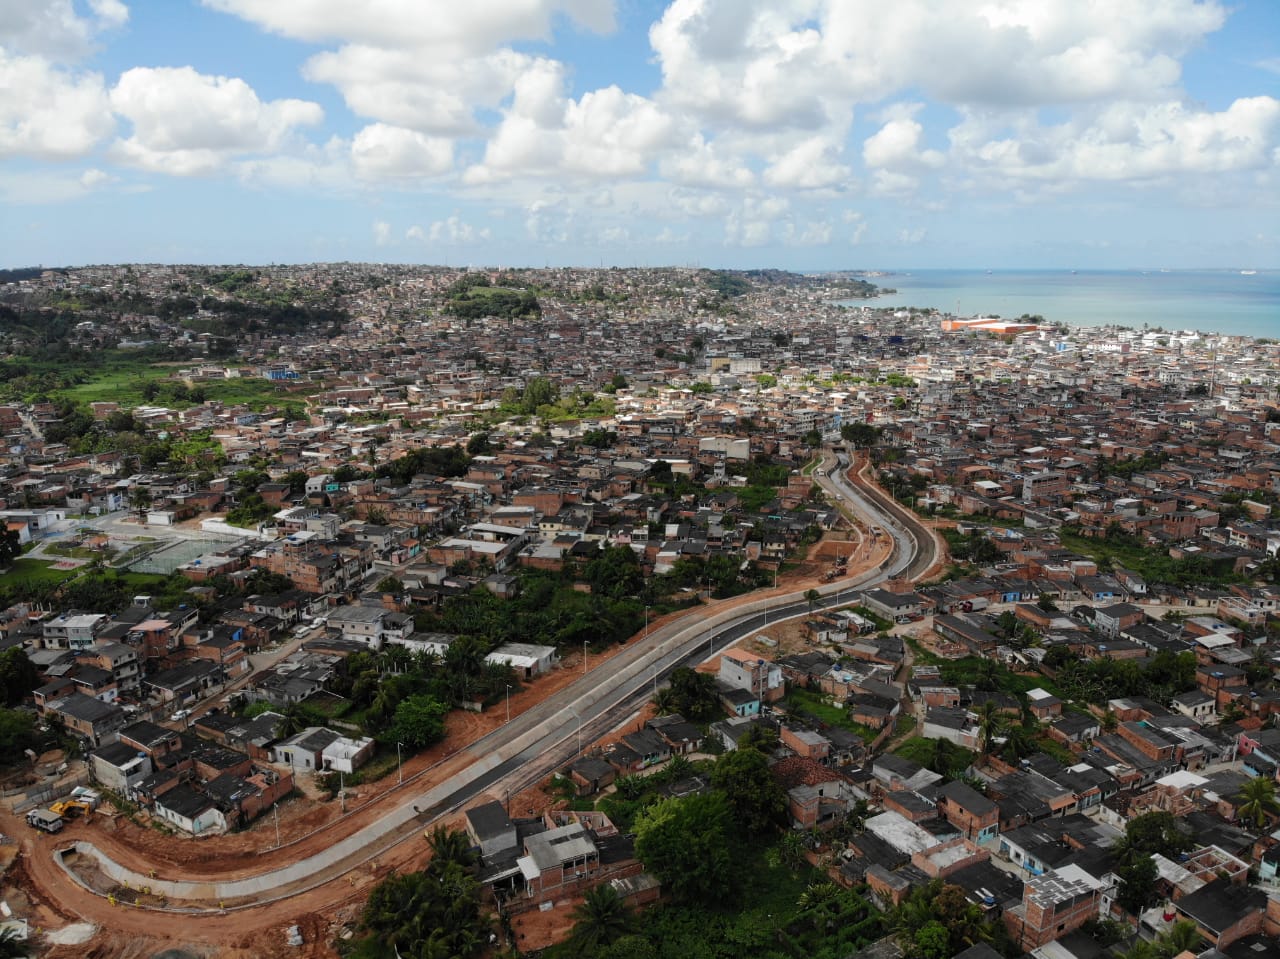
x: 806, y: 134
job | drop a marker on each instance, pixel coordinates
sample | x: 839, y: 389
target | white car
x: 180, y: 715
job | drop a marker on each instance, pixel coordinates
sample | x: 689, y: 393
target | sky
x: 799, y: 134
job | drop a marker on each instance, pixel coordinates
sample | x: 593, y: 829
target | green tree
x: 1137, y: 889
x: 18, y: 676
x: 631, y: 947
x: 601, y: 919
x: 696, y: 695
x: 1258, y: 800
x: 684, y: 842
x: 451, y: 845
x: 1152, y: 833
x: 419, y: 721
x: 755, y: 798
x: 813, y: 598
x: 10, y: 546
x: 433, y: 914
x: 990, y: 724
x: 931, y: 941
x: 1182, y: 936
x: 17, y: 734
x: 860, y: 435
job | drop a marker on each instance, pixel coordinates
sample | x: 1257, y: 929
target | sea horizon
x: 1227, y: 301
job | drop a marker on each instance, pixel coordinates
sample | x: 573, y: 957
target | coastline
x: 1210, y: 302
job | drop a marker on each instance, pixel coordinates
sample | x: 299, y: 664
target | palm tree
x: 820, y: 901
x: 1260, y: 802
x: 451, y: 845
x: 1182, y: 936
x: 813, y: 598
x: 990, y: 724
x: 1141, y: 949
x: 666, y: 700
x: 600, y: 919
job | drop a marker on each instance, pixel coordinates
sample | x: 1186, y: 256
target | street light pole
x: 584, y: 657
x: 275, y: 811
x: 508, y: 702
x: 399, y: 764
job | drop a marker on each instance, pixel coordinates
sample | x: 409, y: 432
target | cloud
x: 48, y: 186
x: 380, y: 151
x: 699, y: 163
x: 381, y: 233
x: 1127, y: 141
x: 751, y: 224
x: 50, y: 113
x: 811, y: 233
x: 603, y: 133
x: 399, y: 24
x: 188, y: 123
x: 897, y: 144
x: 456, y: 232
x: 53, y: 28
x: 94, y: 177
x: 426, y: 65
x: 812, y: 164
x: 803, y: 64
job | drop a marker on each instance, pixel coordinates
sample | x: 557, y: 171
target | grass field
x: 125, y: 385
x: 38, y: 571
x: 803, y: 702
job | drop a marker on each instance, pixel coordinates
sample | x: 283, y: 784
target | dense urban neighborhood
x: 374, y: 610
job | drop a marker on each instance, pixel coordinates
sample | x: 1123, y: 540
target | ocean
x: 1211, y: 301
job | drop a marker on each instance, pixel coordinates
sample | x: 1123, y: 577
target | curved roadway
x: 540, y: 739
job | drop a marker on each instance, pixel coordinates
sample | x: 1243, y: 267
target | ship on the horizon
x: 1248, y: 272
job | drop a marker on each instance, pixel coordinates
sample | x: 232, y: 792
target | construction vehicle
x: 45, y: 819
x: 70, y: 808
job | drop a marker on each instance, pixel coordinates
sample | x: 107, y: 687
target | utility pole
x: 508, y: 702
x: 275, y: 812
x: 399, y: 765
x: 584, y: 657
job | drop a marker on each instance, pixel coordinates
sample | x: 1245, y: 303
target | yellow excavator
x: 70, y: 808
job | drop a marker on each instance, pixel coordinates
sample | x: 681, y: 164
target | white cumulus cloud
x: 48, y: 112
x: 188, y: 123
x: 381, y: 151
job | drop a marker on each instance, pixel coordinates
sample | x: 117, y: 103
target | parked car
x: 180, y: 715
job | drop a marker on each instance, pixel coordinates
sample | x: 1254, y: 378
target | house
x: 529, y: 660
x: 491, y: 829
x: 566, y: 856
x: 976, y: 816
x: 651, y: 748
x: 894, y: 772
x: 954, y: 725
x: 1225, y: 912
x: 740, y: 669
x: 120, y: 767
x: 189, y: 810
x: 90, y: 718
x: 318, y: 749
x: 1054, y: 904
x: 681, y: 735
x: 590, y: 775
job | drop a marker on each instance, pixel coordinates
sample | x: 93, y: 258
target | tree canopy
x: 684, y: 842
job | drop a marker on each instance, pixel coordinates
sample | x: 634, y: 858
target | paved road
x: 541, y: 738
